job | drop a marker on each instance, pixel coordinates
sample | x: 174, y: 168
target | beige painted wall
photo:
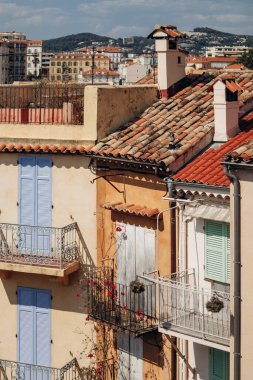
x: 74, y: 200
x: 108, y: 107
x: 246, y: 182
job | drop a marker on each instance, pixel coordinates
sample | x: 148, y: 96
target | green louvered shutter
x: 215, y: 266
x: 228, y: 253
x: 217, y: 251
x: 218, y: 364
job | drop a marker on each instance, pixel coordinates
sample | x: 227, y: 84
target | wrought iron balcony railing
x: 193, y: 311
x: 119, y: 305
x: 43, y: 246
x: 104, y: 370
x: 10, y: 370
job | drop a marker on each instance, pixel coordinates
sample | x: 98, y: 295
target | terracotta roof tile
x: 207, y: 169
x: 188, y: 114
x: 37, y: 148
x: 127, y: 208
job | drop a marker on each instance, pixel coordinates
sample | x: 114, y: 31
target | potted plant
x: 215, y: 304
x: 137, y: 287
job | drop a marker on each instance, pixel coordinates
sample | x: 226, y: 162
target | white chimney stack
x: 226, y: 110
x: 171, y: 60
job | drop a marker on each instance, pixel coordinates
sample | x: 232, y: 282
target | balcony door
x: 218, y: 364
x: 35, y: 204
x: 135, y: 255
x: 34, y: 332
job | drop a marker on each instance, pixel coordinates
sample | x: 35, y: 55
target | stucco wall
x: 142, y: 190
x: 108, y: 107
x: 246, y: 182
x: 74, y: 200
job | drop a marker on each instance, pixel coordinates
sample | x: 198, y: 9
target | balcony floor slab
x: 68, y: 268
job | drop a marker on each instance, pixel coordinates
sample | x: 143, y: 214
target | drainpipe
x: 237, y: 272
x: 170, y: 185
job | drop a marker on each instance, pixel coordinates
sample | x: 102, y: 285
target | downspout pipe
x: 173, y: 266
x: 237, y: 270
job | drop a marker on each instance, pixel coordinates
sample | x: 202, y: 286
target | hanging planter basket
x: 214, y: 305
x: 137, y: 287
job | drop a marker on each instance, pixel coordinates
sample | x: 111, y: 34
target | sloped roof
x: 169, y: 30
x: 207, y: 169
x: 188, y: 115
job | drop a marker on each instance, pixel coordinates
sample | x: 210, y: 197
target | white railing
x: 194, y: 311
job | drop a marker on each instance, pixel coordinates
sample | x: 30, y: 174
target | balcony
x: 41, y: 250
x: 118, y: 306
x: 10, y: 370
x: 42, y: 104
x: 198, y: 314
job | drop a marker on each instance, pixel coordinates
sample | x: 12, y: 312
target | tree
x: 247, y: 59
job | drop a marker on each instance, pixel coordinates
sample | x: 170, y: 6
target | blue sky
x: 116, y: 18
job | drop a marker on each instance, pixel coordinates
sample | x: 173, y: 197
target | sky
x: 44, y: 19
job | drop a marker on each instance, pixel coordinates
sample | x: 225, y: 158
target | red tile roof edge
x: 134, y: 209
x: 43, y: 148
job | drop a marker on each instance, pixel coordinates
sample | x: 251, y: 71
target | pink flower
x: 124, y: 307
x: 118, y: 229
x: 115, y: 298
x: 113, y: 286
x: 122, y: 293
x: 78, y: 295
x: 139, y: 311
x: 110, y: 293
x: 90, y: 356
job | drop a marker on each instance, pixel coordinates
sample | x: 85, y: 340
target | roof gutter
x: 237, y: 268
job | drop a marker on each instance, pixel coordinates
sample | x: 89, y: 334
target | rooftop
x: 187, y: 116
x: 207, y: 169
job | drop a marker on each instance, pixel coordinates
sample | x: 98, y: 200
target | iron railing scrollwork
x: 38, y: 245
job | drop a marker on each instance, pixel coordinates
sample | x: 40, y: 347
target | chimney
x: 171, y: 60
x: 226, y: 110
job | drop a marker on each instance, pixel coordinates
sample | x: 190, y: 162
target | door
x: 34, y: 330
x: 35, y: 204
x: 135, y: 254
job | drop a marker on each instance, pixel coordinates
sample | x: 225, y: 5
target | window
x: 58, y: 63
x: 69, y: 63
x: 217, y: 251
x: 58, y: 71
x: 52, y: 63
x: 75, y: 63
x: 58, y: 77
x: 218, y: 364
x: 87, y: 63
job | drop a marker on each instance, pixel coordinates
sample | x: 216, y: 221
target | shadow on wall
x: 72, y: 298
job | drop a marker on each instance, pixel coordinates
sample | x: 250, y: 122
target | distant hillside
x: 73, y: 42
x: 195, y: 42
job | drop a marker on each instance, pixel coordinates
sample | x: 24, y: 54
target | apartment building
x: 4, y: 60
x: 17, y: 65
x: 132, y: 72
x: 99, y: 76
x: 182, y: 249
x: 45, y: 64
x: 12, y: 36
x: 48, y: 234
x: 226, y: 51
x: 67, y: 66
x: 34, y: 58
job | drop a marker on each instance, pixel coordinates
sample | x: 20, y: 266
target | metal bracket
x: 107, y: 180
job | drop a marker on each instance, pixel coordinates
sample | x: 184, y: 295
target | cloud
x: 52, y: 18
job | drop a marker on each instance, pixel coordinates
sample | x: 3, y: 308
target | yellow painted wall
x: 74, y: 200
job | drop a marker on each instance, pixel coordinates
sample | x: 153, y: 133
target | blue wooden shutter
x: 218, y: 365
x: 27, y: 190
x: 42, y: 327
x: 25, y: 326
x: 43, y: 212
x: 44, y: 191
